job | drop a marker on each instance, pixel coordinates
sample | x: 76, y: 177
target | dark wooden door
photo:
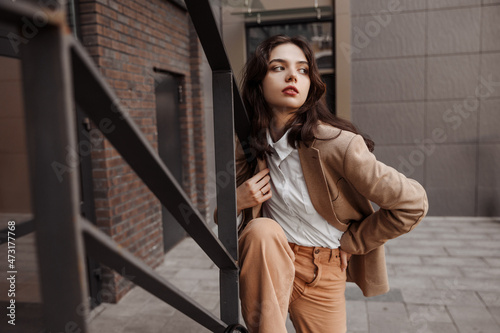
x: 169, y: 146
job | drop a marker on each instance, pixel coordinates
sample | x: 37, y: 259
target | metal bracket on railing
x: 236, y: 328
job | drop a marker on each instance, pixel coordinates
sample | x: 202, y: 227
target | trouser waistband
x: 315, y: 251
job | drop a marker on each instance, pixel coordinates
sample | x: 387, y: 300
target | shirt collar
x: 281, y: 147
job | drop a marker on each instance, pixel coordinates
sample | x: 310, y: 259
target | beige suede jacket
x: 342, y: 177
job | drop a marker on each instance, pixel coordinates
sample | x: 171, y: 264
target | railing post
x: 53, y: 161
x: 226, y: 190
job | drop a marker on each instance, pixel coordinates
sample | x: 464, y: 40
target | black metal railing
x: 58, y: 77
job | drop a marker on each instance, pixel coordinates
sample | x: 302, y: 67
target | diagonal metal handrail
x: 51, y: 62
x: 132, y: 145
x: 229, y: 115
x: 102, y: 248
x: 23, y: 228
x: 210, y: 38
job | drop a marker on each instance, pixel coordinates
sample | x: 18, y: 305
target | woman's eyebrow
x: 277, y: 60
x: 285, y: 61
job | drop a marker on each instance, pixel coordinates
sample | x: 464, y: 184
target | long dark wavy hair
x: 305, y: 120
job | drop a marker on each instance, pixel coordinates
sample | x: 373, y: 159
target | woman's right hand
x: 254, y: 191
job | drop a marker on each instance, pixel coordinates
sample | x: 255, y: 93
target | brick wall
x: 127, y: 40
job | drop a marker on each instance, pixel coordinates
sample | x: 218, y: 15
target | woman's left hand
x: 344, y: 259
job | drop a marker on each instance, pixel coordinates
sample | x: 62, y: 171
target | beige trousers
x: 279, y: 277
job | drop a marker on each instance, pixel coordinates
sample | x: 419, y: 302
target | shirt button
x: 317, y: 251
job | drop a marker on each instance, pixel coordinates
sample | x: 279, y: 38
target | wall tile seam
x: 481, y: 100
x: 455, y: 99
x: 423, y: 56
x: 490, y: 4
x: 478, y: 118
x: 359, y: 15
x: 449, y: 141
x: 466, y: 6
x: 413, y: 145
x: 385, y: 12
x: 451, y: 8
x: 487, y: 141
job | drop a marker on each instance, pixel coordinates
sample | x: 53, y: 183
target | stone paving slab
x: 444, y: 277
x: 473, y: 319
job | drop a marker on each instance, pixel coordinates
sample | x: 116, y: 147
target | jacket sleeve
x: 402, y: 201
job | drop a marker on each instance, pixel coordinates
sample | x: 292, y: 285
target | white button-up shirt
x: 290, y: 204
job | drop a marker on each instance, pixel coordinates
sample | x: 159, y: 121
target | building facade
x: 420, y: 77
x: 149, y: 54
x: 426, y: 87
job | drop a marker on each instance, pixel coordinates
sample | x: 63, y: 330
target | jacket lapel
x: 317, y: 185
x: 261, y: 165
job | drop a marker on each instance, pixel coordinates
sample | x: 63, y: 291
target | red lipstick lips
x: 290, y: 90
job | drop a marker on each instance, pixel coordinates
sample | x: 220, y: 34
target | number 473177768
x: 11, y: 245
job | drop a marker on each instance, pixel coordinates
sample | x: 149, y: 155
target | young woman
x: 304, y: 209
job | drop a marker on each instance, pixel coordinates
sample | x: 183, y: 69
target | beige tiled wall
x: 14, y: 181
x: 415, y: 79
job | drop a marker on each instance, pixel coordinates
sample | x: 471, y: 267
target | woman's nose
x: 292, y: 77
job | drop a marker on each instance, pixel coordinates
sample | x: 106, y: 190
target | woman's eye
x: 303, y: 71
x: 278, y: 68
